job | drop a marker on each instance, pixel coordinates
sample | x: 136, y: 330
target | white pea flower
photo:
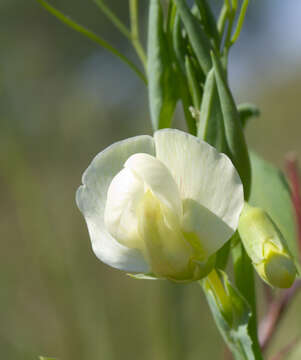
x: 161, y: 206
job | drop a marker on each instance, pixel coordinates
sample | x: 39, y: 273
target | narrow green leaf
x: 271, y: 192
x: 236, y: 143
x: 222, y: 19
x: 230, y: 15
x: 246, y: 112
x: 171, y: 16
x: 208, y: 20
x: 231, y: 313
x: 197, y: 37
x: 179, y: 45
x: 194, y: 86
x: 46, y: 358
x: 210, y: 127
x: 179, y: 49
x: 161, y: 75
x: 91, y: 35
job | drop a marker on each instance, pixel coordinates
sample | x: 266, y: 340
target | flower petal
x: 210, y: 230
x: 158, y: 178
x: 123, y: 197
x: 91, y: 199
x: 202, y: 174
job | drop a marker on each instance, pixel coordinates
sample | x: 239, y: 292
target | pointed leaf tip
x: 237, y: 148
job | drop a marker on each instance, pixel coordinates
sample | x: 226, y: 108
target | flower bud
x: 266, y: 247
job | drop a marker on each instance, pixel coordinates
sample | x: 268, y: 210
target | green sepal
x: 149, y: 276
x: 237, y: 148
x: 270, y: 191
x: 231, y: 313
x: 246, y: 112
x: 196, y: 35
x: 162, y: 83
x: 210, y: 127
x: 208, y: 21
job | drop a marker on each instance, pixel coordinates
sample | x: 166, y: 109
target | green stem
x: 234, y: 4
x: 92, y: 36
x: 113, y: 18
x: 231, y: 313
x: 135, y: 32
x: 244, y: 281
x: 231, y: 18
x: 240, y: 21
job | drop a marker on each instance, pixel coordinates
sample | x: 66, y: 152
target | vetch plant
x: 179, y: 205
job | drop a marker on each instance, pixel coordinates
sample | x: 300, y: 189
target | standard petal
x: 202, y: 174
x: 91, y: 199
x: 158, y: 178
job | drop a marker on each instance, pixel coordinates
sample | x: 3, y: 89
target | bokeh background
x: 62, y: 100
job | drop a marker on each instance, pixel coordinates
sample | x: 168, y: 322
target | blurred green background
x: 62, y: 100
